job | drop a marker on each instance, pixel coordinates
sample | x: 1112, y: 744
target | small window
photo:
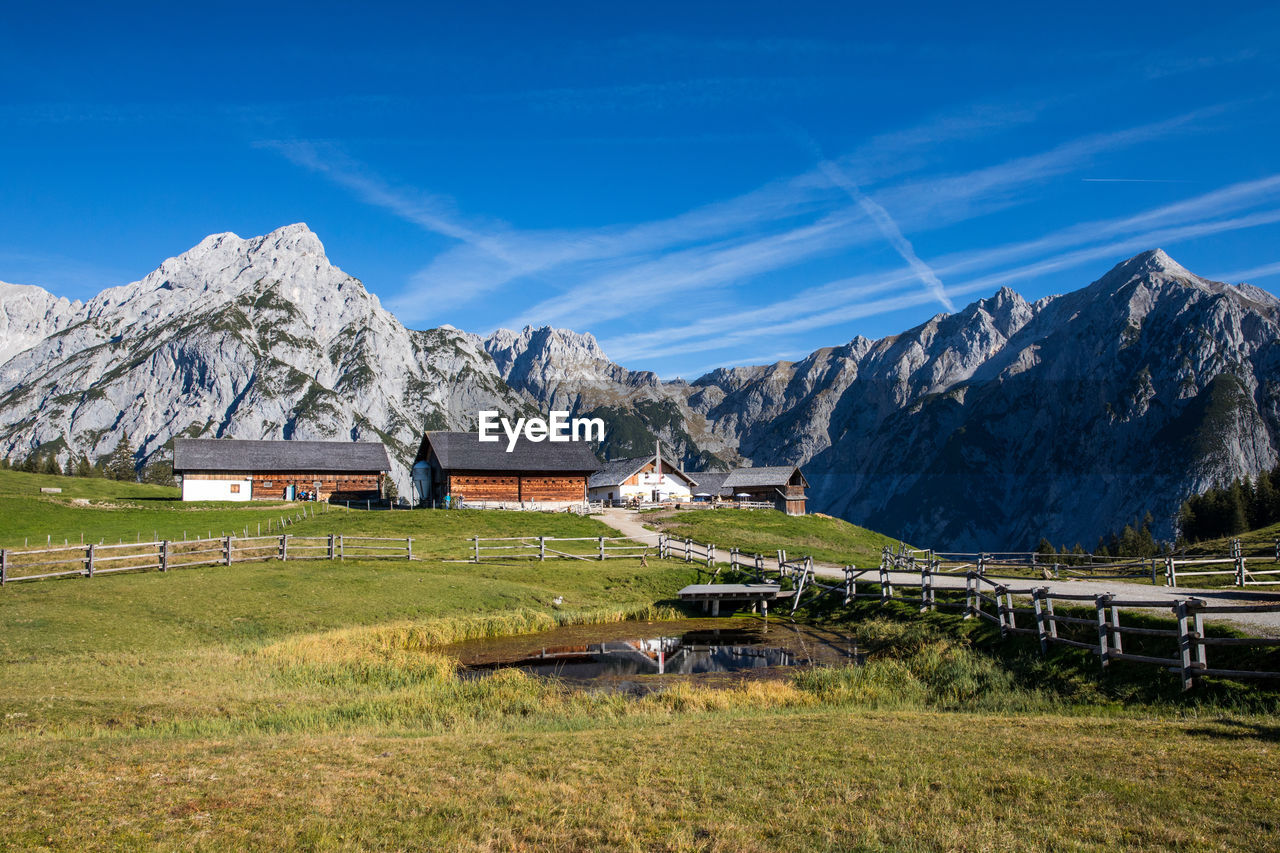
x: 266, y: 484
x: 235, y: 488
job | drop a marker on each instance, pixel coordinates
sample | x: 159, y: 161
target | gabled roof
x: 464, y: 451
x: 616, y: 471
x: 712, y: 483
x: 226, y: 454
x: 773, y: 475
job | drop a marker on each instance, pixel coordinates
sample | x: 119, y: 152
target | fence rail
x: 989, y: 597
x: 564, y: 547
x: 94, y: 559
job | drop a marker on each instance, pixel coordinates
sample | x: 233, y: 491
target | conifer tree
x: 1264, y: 501
x: 119, y: 464
x: 84, y: 468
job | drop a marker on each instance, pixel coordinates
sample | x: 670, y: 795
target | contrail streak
x: 883, y: 221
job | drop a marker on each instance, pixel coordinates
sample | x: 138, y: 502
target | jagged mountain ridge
x: 988, y: 427
x: 1007, y: 420
x: 256, y: 338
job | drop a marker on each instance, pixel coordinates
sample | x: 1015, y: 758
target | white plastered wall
x: 215, y: 490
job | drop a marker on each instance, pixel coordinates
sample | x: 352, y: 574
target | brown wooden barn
x: 223, y: 469
x: 462, y: 467
x: 781, y: 485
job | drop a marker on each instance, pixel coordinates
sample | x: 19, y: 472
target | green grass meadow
x: 826, y: 539
x: 315, y: 705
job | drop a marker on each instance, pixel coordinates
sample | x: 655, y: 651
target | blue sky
x: 696, y: 184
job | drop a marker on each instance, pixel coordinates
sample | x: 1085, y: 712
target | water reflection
x: 687, y: 654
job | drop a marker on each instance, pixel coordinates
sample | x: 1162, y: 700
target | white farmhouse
x: 643, y: 478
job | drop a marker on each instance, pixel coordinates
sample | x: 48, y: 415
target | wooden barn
x: 222, y: 469
x: 643, y: 478
x: 460, y: 466
x: 782, y: 485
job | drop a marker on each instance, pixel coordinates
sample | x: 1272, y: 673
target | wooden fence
x: 571, y: 547
x: 95, y: 559
x: 1239, y: 570
x: 1017, y: 610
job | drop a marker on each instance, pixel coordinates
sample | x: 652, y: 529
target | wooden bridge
x: 711, y: 595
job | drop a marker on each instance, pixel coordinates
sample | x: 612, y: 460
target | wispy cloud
x: 1250, y: 275
x: 930, y: 203
x: 1134, y: 181
x: 892, y: 233
x: 854, y: 298
x: 587, y: 277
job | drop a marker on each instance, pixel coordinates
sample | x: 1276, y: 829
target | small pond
x: 623, y: 651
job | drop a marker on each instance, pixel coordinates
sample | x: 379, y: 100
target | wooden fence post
x: 164, y: 556
x: 284, y: 547
x: 329, y: 548
x: 688, y: 550
x: 1202, y: 651
x: 4, y: 566
x: 226, y: 550
x: 1184, y: 644
x: 542, y: 548
x: 476, y: 540
x: 1170, y: 572
x: 711, y: 554
x: 408, y: 548
x: 89, y: 559
x: 1100, y: 605
x: 601, y: 544
x: 850, y: 585
x: 1117, y: 641
x: 1042, y: 629
x: 1005, y: 618
x: 924, y: 588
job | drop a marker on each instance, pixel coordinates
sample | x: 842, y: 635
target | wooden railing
x: 1023, y: 610
x: 563, y: 547
x: 1239, y: 570
x: 98, y: 559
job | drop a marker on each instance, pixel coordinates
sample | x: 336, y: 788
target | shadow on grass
x: 1230, y: 729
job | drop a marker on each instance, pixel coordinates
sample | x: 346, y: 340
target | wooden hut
x: 460, y: 466
x: 222, y: 469
x: 781, y: 485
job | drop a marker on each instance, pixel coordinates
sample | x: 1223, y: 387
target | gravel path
x: 628, y: 523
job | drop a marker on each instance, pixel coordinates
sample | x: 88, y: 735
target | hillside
x: 826, y: 539
x: 274, y: 706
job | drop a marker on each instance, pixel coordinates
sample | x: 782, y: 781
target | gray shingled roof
x: 712, y: 483
x: 464, y: 451
x: 773, y: 475
x: 224, y: 454
x: 615, y: 471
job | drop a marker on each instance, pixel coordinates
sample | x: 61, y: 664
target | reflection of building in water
x: 655, y: 656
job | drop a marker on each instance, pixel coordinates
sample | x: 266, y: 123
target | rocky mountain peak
x: 1153, y: 267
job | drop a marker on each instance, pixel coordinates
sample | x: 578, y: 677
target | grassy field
x: 1256, y: 543
x: 131, y: 512
x: 315, y: 705
x: 824, y: 538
